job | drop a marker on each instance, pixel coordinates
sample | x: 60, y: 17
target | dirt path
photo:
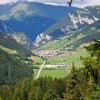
x: 40, y: 69
x: 61, y: 59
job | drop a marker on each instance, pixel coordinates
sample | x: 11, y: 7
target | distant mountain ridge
x: 36, y: 24
x: 32, y: 18
x: 24, y: 8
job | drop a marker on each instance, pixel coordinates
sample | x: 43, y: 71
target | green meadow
x: 67, y: 59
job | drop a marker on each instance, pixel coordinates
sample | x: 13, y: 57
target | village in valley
x: 59, y: 61
x: 49, y: 54
x: 58, y: 54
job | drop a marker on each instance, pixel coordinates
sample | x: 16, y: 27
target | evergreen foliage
x: 81, y: 84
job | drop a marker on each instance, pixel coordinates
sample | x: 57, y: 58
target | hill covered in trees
x: 81, y: 84
x: 16, y: 62
x: 12, y: 67
x: 9, y: 42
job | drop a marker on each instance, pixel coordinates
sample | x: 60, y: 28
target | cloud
x: 7, y: 1
x: 84, y: 3
x: 77, y: 3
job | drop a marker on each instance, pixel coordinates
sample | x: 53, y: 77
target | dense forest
x: 12, y: 68
x: 13, y: 58
x: 81, y: 84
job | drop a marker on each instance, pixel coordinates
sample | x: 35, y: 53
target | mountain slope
x: 4, y: 28
x: 24, y: 8
x: 73, y: 40
x: 9, y: 42
x: 32, y: 18
x: 30, y: 25
x: 71, y: 22
x: 20, y: 37
x: 13, y: 66
x: 16, y: 62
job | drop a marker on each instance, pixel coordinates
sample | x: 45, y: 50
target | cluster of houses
x: 50, y: 53
x: 47, y: 53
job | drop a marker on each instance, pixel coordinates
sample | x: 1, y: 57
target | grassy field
x: 37, y: 61
x: 67, y: 59
x: 54, y: 73
x: 8, y: 50
x: 57, y: 73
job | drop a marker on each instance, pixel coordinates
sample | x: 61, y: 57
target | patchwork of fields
x: 67, y: 59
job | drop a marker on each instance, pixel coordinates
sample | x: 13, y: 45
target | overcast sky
x: 77, y: 3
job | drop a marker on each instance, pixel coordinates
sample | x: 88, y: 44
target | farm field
x: 56, y: 73
x: 72, y: 57
x: 68, y: 59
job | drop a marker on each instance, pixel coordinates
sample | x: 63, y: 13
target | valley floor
x: 63, y: 59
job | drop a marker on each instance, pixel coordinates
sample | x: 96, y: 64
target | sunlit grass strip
x: 10, y: 51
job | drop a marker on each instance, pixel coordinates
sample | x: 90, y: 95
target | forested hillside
x: 12, y: 67
x: 81, y: 84
x: 12, y: 61
x: 9, y: 42
x: 16, y: 62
